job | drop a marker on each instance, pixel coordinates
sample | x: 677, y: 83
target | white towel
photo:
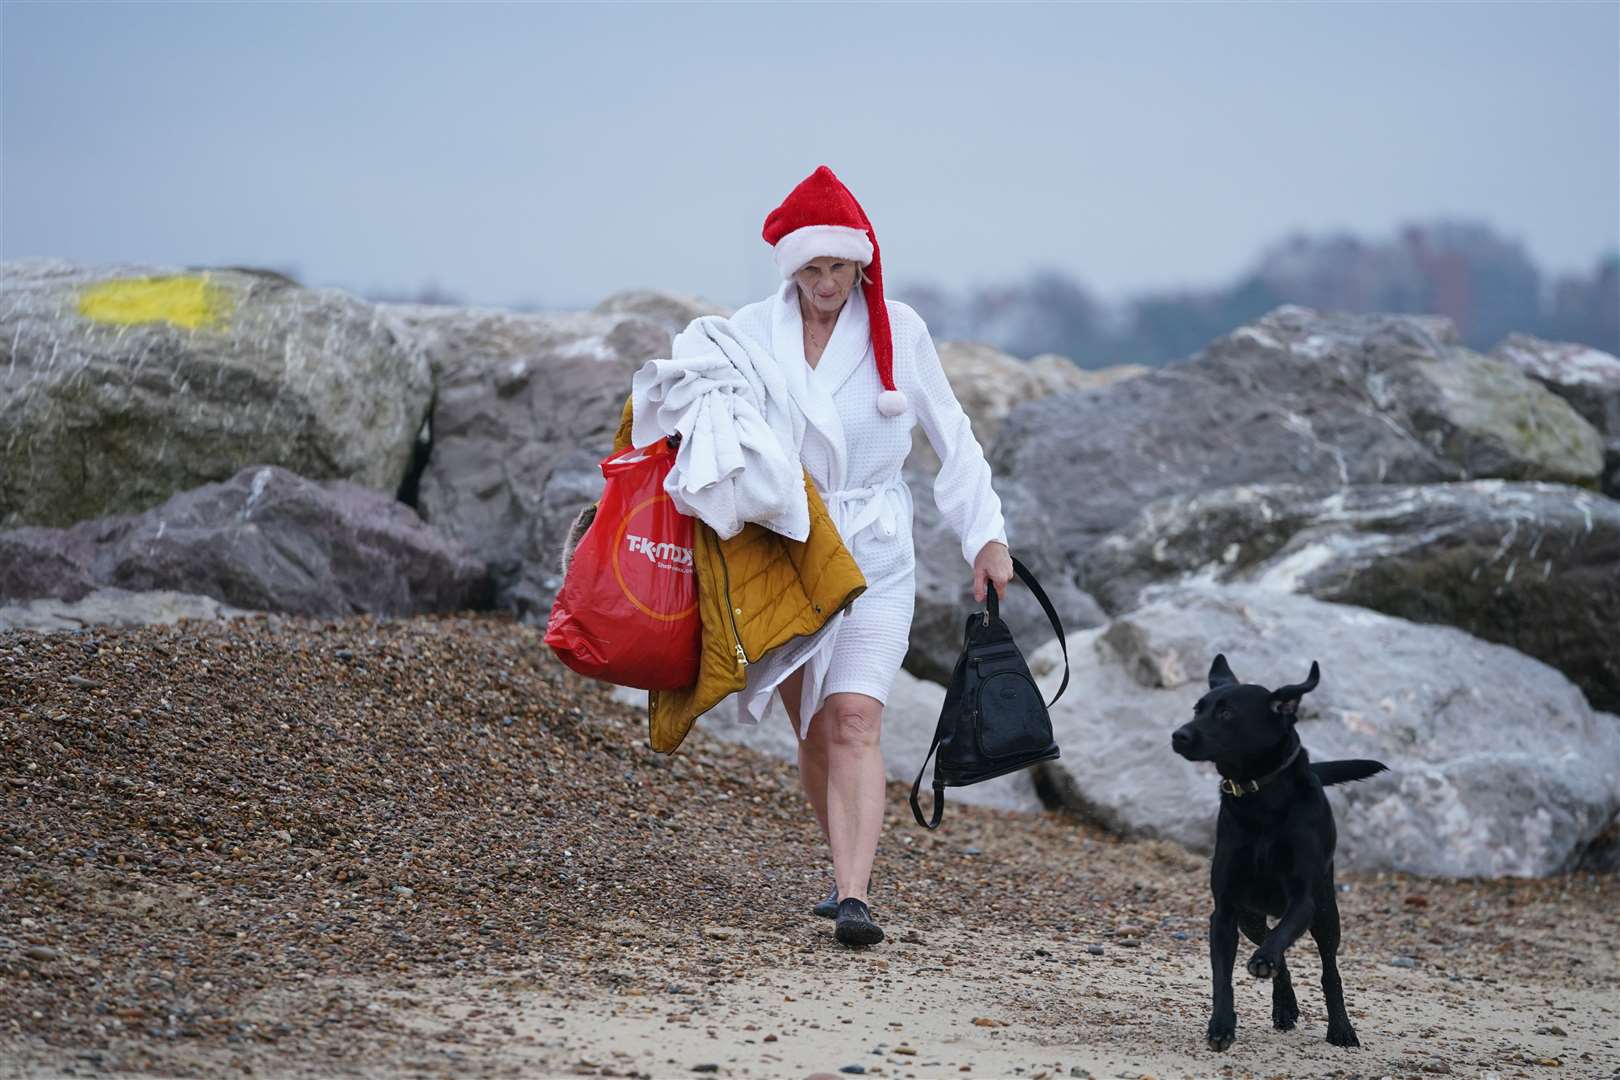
x: 740, y: 437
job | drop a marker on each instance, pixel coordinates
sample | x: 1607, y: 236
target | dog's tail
x: 1340, y: 772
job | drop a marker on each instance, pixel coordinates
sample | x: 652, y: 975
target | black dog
x: 1273, y: 844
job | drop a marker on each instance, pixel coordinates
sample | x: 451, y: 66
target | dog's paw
x: 1222, y: 1030
x: 1342, y: 1034
x: 1261, y: 967
x: 1284, y: 1013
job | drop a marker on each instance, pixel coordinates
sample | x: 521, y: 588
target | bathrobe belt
x: 854, y: 510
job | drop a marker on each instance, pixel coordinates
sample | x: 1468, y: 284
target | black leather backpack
x: 993, y: 721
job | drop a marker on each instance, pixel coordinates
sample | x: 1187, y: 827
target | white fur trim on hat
x: 814, y: 241
x: 891, y: 402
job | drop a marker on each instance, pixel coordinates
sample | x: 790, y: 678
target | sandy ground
x: 946, y: 1001
x: 274, y: 848
x: 1025, y: 1005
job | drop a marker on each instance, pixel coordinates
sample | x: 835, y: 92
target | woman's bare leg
x: 851, y: 724
x: 812, y: 751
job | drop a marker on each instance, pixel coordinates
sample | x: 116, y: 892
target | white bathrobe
x: 854, y: 455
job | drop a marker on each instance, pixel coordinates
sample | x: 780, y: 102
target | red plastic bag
x: 627, y: 610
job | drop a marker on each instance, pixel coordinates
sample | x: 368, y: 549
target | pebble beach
x: 284, y: 846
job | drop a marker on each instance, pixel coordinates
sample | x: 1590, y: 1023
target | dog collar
x: 1239, y: 788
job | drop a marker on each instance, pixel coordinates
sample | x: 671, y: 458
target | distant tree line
x: 1487, y: 284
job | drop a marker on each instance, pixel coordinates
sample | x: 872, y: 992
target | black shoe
x: 855, y: 925
x: 828, y: 908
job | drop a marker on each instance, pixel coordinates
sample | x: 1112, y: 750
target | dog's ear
x: 1219, y: 674
x: 1285, y: 699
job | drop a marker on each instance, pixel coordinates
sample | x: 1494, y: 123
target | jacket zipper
x: 731, y: 612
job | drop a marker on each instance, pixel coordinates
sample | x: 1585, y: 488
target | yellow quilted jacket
x: 756, y: 591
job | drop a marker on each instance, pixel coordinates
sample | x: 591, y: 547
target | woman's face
x: 825, y: 283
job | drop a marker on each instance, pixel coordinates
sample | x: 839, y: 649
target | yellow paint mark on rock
x: 189, y: 301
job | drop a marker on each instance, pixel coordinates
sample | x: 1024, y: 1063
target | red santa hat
x: 819, y: 218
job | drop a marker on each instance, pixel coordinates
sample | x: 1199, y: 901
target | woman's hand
x: 994, y: 562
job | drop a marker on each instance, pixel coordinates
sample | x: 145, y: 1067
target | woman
x: 863, y: 371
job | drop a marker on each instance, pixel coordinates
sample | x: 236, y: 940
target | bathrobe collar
x: 813, y: 388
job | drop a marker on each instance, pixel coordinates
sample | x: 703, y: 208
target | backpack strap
x: 1046, y: 605
x: 939, y: 788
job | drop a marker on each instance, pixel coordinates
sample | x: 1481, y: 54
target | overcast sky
x: 554, y: 154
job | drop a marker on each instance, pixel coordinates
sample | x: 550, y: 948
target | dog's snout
x: 1183, y: 738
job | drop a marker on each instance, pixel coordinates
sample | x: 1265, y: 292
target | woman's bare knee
x: 854, y: 720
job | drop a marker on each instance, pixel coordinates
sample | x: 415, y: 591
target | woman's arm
x: 962, y: 488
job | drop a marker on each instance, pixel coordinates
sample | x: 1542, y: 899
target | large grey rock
x: 1534, y: 566
x: 909, y: 718
x: 575, y: 482
x: 1602, y: 855
x: 671, y: 311
x: 113, y: 607
x: 122, y: 385
x: 270, y: 540
x: 517, y: 394
x: 1498, y: 765
x: 37, y: 561
x: 1057, y: 373
x: 1321, y: 400
x: 990, y: 383
x: 1587, y: 378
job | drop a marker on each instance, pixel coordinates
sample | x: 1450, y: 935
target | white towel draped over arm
x: 738, y: 460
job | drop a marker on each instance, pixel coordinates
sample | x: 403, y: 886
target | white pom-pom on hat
x: 891, y: 403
